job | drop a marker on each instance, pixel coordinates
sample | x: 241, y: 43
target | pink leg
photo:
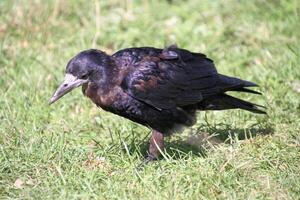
x: 156, y: 145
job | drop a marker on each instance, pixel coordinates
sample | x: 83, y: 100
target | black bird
x: 158, y: 88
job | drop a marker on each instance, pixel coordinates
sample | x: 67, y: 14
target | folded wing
x: 176, y: 77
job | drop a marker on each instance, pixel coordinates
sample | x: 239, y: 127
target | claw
x: 147, y: 160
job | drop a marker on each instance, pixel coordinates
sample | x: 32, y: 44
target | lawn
x: 74, y: 150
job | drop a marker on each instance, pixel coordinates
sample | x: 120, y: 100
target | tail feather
x: 235, y: 82
x: 246, y: 90
x: 224, y: 102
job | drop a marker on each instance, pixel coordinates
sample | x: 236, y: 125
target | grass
x: 73, y: 150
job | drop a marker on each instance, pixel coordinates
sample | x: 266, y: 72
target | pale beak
x: 66, y: 86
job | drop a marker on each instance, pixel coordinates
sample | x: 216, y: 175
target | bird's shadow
x: 197, y: 141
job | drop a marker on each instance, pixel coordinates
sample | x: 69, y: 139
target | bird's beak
x: 66, y: 86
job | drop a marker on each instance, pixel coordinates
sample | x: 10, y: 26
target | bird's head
x: 85, y: 67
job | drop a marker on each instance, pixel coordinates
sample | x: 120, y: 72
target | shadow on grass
x: 225, y: 135
x: 197, y: 142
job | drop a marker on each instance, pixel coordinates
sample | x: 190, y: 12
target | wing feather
x: 175, y: 79
x: 172, y: 77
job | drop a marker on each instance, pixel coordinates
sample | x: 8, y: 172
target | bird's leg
x: 156, y: 145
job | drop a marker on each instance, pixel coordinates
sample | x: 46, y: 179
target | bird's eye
x: 85, y: 76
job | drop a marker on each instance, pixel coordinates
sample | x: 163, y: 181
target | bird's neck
x: 112, y: 76
x: 103, y: 91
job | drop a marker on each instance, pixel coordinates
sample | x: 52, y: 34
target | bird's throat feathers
x: 100, y: 90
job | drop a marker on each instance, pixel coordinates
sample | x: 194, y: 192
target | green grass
x: 73, y: 150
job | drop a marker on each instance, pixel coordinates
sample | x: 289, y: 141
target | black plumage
x: 158, y: 88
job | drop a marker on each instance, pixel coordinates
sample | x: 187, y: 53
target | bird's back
x: 172, y: 83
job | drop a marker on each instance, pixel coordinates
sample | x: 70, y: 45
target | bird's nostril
x: 65, y: 85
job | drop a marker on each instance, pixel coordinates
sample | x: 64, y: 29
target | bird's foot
x: 155, y: 148
x: 149, y: 158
